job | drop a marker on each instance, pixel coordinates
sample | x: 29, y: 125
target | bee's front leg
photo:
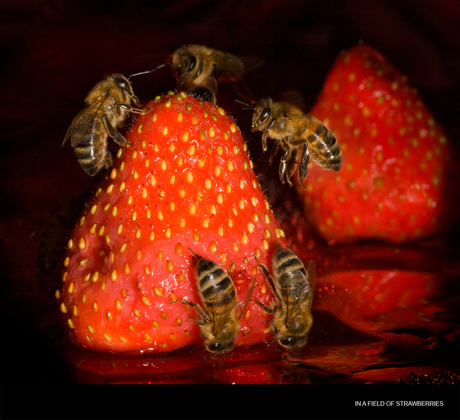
x: 285, y: 159
x: 264, y: 141
x: 113, y: 132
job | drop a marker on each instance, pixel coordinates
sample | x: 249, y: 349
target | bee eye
x: 124, y: 86
x: 288, y: 341
x: 293, y: 342
x: 265, y: 114
x: 192, y: 63
x: 216, y: 347
x: 200, y: 69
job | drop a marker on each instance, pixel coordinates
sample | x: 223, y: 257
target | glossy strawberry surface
x: 399, y: 169
x: 185, y: 185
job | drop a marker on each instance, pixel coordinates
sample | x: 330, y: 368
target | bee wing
x: 233, y: 67
x: 311, y: 278
x: 293, y: 309
x: 304, y: 292
x: 67, y: 135
x: 294, y: 97
x: 220, y: 318
x: 251, y: 63
x: 84, y: 118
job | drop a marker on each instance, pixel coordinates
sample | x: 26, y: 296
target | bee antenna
x: 194, y: 253
x: 148, y: 71
x: 247, y: 106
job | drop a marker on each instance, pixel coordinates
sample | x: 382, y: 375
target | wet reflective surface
x: 336, y: 354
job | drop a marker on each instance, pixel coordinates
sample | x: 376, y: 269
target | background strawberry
x: 399, y: 175
x: 379, y: 301
x: 187, y: 182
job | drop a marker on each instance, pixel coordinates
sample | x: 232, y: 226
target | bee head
x: 261, y: 119
x: 219, y: 347
x: 123, y: 83
x: 293, y: 343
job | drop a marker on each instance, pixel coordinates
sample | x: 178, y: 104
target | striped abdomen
x: 91, y: 147
x: 290, y: 276
x: 215, y: 287
x: 324, y: 148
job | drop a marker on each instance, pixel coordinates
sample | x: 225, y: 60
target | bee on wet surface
x: 106, y: 108
x: 300, y: 136
x: 294, y: 288
x: 219, y: 322
x: 200, y: 67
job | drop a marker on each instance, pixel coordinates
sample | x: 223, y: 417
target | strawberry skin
x: 398, y: 179
x: 376, y: 301
x: 186, y: 182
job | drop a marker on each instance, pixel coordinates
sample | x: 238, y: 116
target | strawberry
x: 186, y: 184
x: 399, y: 175
x: 376, y: 301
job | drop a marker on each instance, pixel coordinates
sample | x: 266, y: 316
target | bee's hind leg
x: 303, y: 166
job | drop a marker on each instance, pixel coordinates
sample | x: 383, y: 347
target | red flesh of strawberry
x: 399, y: 175
x: 187, y: 182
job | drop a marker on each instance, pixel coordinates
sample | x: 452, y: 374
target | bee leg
x: 135, y: 110
x: 194, y: 254
x: 265, y: 307
x: 264, y: 141
x: 303, y: 167
x: 291, y: 164
x: 248, y: 297
x: 117, y: 137
x: 262, y: 267
x: 130, y: 108
x: 269, y: 277
x: 273, y: 152
x: 284, y: 162
x: 139, y: 111
x: 230, y: 269
x: 205, y: 317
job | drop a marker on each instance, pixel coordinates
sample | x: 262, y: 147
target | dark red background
x: 54, y: 51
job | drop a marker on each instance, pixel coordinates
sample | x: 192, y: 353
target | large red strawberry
x: 399, y: 178
x: 186, y: 183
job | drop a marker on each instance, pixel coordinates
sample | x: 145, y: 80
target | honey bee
x: 219, y: 323
x: 106, y: 107
x: 299, y: 135
x: 294, y: 288
x: 198, y: 66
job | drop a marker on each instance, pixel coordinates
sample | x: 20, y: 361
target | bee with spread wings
x: 198, y: 69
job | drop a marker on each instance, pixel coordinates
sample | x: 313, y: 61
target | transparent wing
x: 220, y: 314
x: 304, y: 292
x: 84, y: 119
x: 293, y: 308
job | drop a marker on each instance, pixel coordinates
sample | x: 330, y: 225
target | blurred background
x: 54, y: 51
